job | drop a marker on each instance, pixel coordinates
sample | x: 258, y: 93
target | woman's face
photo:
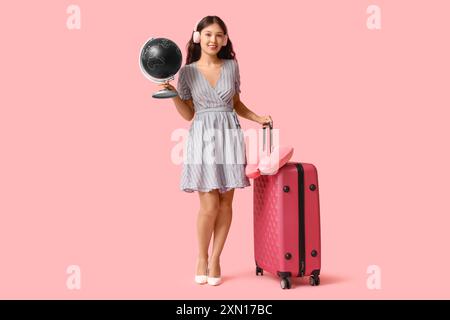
x: 211, y: 39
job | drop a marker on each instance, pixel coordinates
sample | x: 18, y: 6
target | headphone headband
x: 196, y: 25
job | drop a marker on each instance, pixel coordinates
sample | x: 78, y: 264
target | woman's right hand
x: 167, y: 85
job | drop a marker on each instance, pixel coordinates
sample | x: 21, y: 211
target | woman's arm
x: 185, y: 107
x: 243, y: 111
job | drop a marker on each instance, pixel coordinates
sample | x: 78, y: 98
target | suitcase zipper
x: 301, y: 218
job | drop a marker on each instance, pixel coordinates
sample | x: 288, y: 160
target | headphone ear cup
x: 196, y: 37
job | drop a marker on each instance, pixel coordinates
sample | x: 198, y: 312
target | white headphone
x: 196, y: 35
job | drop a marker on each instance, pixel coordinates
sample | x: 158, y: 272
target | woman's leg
x: 221, y: 228
x: 209, y: 208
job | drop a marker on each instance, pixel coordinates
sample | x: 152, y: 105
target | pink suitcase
x: 287, y: 223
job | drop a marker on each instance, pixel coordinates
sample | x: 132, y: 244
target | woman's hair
x: 194, y: 50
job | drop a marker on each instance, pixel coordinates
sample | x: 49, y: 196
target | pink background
x: 86, y: 176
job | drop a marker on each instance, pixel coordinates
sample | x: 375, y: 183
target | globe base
x: 164, y: 94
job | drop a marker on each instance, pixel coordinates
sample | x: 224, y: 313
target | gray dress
x: 215, y: 149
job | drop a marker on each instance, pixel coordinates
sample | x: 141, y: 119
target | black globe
x: 160, y: 58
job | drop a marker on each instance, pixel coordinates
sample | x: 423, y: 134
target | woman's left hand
x: 265, y: 120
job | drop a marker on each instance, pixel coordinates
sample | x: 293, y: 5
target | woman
x: 208, y: 89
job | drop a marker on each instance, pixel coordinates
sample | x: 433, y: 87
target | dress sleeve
x: 237, y: 80
x: 182, y: 87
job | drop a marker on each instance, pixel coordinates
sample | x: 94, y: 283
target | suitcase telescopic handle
x: 264, y: 138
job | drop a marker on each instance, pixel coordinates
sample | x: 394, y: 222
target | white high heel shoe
x: 201, y: 279
x: 214, y: 281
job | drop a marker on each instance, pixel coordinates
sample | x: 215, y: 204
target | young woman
x: 208, y: 90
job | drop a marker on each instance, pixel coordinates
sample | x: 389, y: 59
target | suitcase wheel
x: 259, y: 271
x: 314, y: 280
x: 285, y: 283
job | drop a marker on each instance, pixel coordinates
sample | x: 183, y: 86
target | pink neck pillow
x: 270, y: 164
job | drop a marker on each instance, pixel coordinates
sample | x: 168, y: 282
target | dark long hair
x: 194, y: 49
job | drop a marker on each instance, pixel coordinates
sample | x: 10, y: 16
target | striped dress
x: 215, y: 149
